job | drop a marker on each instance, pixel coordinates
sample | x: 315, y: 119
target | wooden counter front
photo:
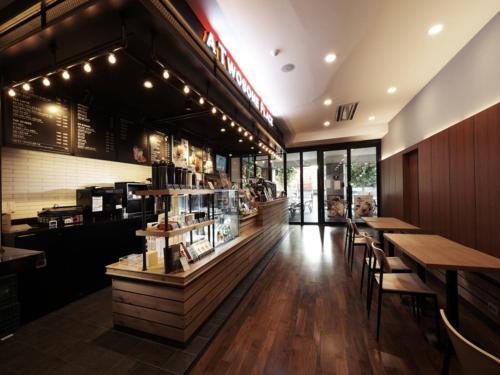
x: 175, y: 305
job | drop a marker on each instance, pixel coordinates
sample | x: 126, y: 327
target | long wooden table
x: 389, y: 224
x: 436, y: 252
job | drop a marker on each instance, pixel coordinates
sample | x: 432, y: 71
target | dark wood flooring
x: 303, y: 315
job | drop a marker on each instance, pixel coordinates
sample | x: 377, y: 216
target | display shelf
x: 173, y: 232
x: 161, y: 192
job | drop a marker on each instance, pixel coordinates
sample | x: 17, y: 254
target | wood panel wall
x: 459, y: 194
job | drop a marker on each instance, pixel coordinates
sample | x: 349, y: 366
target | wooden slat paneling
x: 487, y: 179
x: 440, y: 183
x: 425, y: 185
x: 462, y: 186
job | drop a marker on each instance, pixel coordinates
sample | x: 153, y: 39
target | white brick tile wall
x: 32, y: 180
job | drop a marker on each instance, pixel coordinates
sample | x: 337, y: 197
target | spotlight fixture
x: 87, y: 67
x: 240, y: 129
x: 223, y: 130
x: 148, y: 83
x: 232, y: 124
x: 12, y: 92
x: 26, y: 86
x: 186, y: 89
x: 331, y: 57
x: 260, y: 144
x: 224, y: 117
x: 166, y: 74
x: 46, y: 81
x: 260, y: 152
x: 112, y: 58
x: 251, y: 137
x: 240, y: 140
x: 201, y: 100
x: 436, y: 29
x: 214, y: 110
x: 252, y: 147
x: 245, y: 133
x: 65, y: 75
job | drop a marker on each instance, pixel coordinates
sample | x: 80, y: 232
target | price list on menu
x: 157, y: 146
x: 39, y: 123
x: 95, y: 134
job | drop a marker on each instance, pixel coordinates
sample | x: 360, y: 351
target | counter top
x: 14, y: 260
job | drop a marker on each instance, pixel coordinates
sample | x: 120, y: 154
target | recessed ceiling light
x: 392, y: 90
x: 275, y: 52
x: 371, y: 118
x: 327, y: 102
x: 331, y: 57
x: 436, y: 29
x: 287, y: 68
x: 222, y: 130
x: 326, y: 123
x: 240, y: 140
x: 148, y: 84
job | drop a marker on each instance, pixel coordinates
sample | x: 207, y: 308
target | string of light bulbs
x: 148, y: 83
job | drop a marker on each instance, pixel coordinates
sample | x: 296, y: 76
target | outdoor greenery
x: 290, y: 175
x: 363, y: 175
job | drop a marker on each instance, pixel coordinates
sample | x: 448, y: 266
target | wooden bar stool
x: 399, y: 283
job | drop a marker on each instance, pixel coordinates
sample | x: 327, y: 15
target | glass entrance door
x: 310, y: 186
x: 335, y: 185
x: 364, y: 182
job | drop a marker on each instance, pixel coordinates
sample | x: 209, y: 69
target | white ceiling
x: 378, y: 43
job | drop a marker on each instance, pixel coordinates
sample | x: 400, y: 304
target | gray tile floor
x: 80, y: 339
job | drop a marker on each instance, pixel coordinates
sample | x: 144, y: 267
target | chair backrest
x: 381, y: 259
x: 473, y: 359
x: 355, y: 228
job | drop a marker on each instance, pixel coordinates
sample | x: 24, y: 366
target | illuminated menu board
x: 39, y: 123
x: 95, y: 134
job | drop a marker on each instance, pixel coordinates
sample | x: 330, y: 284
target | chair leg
x: 363, y: 272
x: 369, y: 295
x: 379, y: 310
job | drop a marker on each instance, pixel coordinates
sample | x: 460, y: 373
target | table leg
x: 452, y: 297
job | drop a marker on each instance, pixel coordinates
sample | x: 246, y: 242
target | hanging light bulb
x: 65, y: 75
x: 112, y: 58
x: 148, y: 83
x: 186, y: 89
x: 46, y: 81
x: 26, y: 86
x: 12, y: 92
x: 87, y: 67
x: 166, y: 74
x: 201, y: 101
x: 214, y: 110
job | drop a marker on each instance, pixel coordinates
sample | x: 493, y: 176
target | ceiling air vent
x: 346, y: 112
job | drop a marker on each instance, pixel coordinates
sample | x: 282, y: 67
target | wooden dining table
x: 384, y: 224
x: 436, y: 252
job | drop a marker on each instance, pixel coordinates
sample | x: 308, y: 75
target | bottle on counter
x: 178, y: 176
x: 170, y: 166
x: 184, y: 176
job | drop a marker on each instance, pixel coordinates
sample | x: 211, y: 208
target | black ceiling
x: 98, y: 28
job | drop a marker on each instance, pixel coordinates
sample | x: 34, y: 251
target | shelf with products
x: 174, y: 192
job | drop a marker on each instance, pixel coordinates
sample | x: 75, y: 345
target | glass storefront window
x: 335, y: 185
x: 262, y: 166
x: 293, y: 186
x: 364, y: 181
x: 310, y: 186
x: 278, y: 175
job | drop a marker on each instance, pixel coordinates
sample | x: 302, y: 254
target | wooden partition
x: 175, y: 305
x: 458, y: 194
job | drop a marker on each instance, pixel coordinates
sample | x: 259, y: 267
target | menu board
x: 132, y: 145
x: 38, y: 122
x: 95, y: 134
x: 157, y: 146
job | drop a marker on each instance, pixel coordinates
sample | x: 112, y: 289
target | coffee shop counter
x: 174, y: 305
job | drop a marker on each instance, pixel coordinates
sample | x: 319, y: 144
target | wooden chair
x: 371, y: 265
x: 347, y: 238
x: 357, y: 239
x: 473, y: 359
x: 399, y: 283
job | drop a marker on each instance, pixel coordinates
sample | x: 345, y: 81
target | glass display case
x: 227, y: 220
